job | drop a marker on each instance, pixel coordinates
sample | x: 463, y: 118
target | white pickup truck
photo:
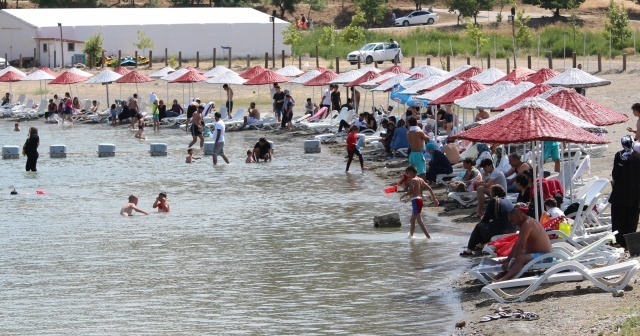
x: 376, y: 52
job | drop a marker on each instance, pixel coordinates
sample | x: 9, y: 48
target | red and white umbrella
x: 134, y: 77
x: 40, y: 76
x: 533, y: 92
x: 367, y: 76
x: 266, y: 77
x: 465, y: 74
x: 192, y: 76
x: 252, y: 72
x: 517, y: 75
x: 585, y: 108
x: 68, y: 78
x: 396, y: 69
x: 542, y: 76
x: 468, y: 87
x: 121, y: 70
x: 10, y: 77
x: 79, y: 72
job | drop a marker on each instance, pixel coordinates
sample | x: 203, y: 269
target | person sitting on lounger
x: 482, y: 115
x: 532, y: 242
x: 6, y: 100
x: 462, y: 184
x: 400, y: 139
x: 517, y: 167
x: 451, y: 151
x: 494, y: 222
x: 310, y: 107
x: 491, y: 176
x: 252, y: 118
x: 94, y: 107
x: 439, y: 163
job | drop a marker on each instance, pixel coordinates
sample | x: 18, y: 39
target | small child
x: 114, y: 115
x: 128, y: 208
x: 416, y: 187
x: 551, y: 207
x: 249, y: 157
x: 352, y: 149
x: 140, y: 126
x: 161, y: 202
x: 190, y: 156
x: 156, y: 116
x: 16, y: 127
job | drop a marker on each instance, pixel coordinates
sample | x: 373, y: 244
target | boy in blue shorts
x: 416, y: 187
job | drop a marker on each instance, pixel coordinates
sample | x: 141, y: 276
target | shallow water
x: 286, y: 247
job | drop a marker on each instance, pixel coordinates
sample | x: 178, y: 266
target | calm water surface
x: 266, y: 249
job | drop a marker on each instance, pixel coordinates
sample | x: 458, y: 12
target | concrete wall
x: 16, y: 37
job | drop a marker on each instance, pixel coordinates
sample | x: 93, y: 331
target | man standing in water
x: 196, y: 127
x: 134, y: 109
x: 417, y: 138
x: 229, y: 103
x: 218, y: 136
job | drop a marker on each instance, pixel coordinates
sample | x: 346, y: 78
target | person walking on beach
x: 625, y: 191
x: 218, y: 136
x: 352, y: 147
x: 196, y: 127
x: 635, y: 108
x: 417, y: 138
x: 325, y: 99
x: 161, y: 202
x: 134, y: 109
x: 278, y: 103
x: 191, y: 109
x: 30, y: 149
x: 229, y: 103
x: 156, y: 116
x: 132, y: 205
x: 140, y: 127
x: 416, y: 191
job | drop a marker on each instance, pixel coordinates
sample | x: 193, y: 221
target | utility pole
x: 273, y: 39
x: 61, y: 46
x: 513, y: 31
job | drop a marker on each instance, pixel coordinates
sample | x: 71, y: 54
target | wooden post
x: 197, y: 59
x: 55, y: 59
x: 448, y: 63
x: 550, y: 58
x: 283, y: 58
x: 35, y: 60
x: 599, y: 62
x: 248, y: 61
x: 266, y: 60
x: 119, y: 57
x: 90, y: 61
x: 135, y: 59
x: 529, y: 61
x: 624, y: 61
x: 337, y: 64
x: 299, y: 62
x: 150, y: 59
x: 103, y: 59
x: 488, y: 61
x: 375, y: 64
x: 508, y: 65
x: 413, y: 62
x: 428, y: 60
x: 574, y: 59
x: 19, y: 61
x: 229, y: 57
x: 358, y: 62
x: 180, y: 59
x: 166, y: 58
x: 214, y: 57
x: 468, y: 60
x: 317, y: 60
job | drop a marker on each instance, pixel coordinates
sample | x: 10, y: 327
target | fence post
x: 337, y: 64
x: 150, y: 59
x: 180, y: 59
x: 358, y: 62
x: 19, y: 61
x: 468, y: 60
x: 35, y: 61
x: 508, y: 65
x: 488, y: 61
x: 317, y: 60
x: 248, y: 61
x: 266, y: 60
x: 55, y: 59
x: 574, y: 59
x: 529, y: 61
x: 166, y: 57
x: 299, y: 62
x: 283, y: 58
x: 90, y: 61
x: 119, y: 58
x: 413, y: 62
x: 624, y: 61
x: 448, y: 63
x: 229, y: 57
x: 197, y: 59
x: 135, y: 59
x: 103, y: 59
x: 550, y: 58
x: 214, y: 57
x: 428, y: 60
x: 599, y: 62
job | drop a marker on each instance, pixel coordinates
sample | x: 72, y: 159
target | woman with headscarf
x: 625, y: 191
x: 30, y: 149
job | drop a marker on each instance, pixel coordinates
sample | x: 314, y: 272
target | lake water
x: 286, y: 247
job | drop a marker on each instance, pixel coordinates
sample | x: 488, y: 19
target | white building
x: 189, y: 30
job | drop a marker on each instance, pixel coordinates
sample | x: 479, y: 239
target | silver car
x: 417, y: 17
x: 376, y: 52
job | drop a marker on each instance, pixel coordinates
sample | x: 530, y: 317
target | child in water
x: 249, y: 157
x: 114, y: 115
x: 190, y: 156
x: 140, y: 126
x: 161, y: 202
x: 416, y: 187
x: 16, y: 127
x: 128, y: 208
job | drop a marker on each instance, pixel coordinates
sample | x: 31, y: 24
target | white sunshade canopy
x: 456, y: 71
x: 374, y: 82
x: 228, y: 77
x: 307, y: 76
x: 105, y: 76
x: 37, y: 76
x: 427, y: 70
x: 423, y: 84
x: 79, y: 72
x: 290, y: 71
x: 488, y: 76
x: 175, y: 75
x: 347, y: 77
x: 441, y: 91
x: 162, y: 72
x: 388, y: 84
x: 12, y: 69
x: 576, y: 78
x: 485, y: 96
x: 369, y: 68
x: 218, y: 70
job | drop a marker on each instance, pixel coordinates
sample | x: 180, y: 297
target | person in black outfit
x: 162, y: 108
x: 522, y: 184
x: 335, y: 98
x: 30, y: 149
x: 278, y: 103
x: 625, y: 191
x: 495, y: 220
x: 125, y: 114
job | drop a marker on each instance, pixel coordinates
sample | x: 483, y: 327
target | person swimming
x: 129, y: 207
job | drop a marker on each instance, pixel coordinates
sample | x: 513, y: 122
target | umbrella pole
x: 108, y: 102
x: 168, y: 91
x: 364, y: 102
x: 40, y: 90
x: 535, y: 169
x: 541, y: 174
x: 258, y: 95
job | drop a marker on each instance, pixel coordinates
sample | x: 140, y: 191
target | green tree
x: 285, y: 6
x: 555, y: 5
x: 353, y: 34
x: 373, y: 10
x: 291, y: 35
x: 328, y: 36
x: 616, y: 25
x: 67, y: 3
x: 470, y: 8
x: 93, y: 47
x: 475, y: 34
x: 523, y: 33
x: 419, y: 3
x: 144, y: 42
x: 501, y: 4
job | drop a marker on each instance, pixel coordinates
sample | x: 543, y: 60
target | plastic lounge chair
x: 565, y: 272
x: 586, y: 255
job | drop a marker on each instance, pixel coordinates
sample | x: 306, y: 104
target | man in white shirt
x: 218, y: 136
x: 325, y: 99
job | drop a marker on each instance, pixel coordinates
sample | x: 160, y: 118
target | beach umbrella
x: 428, y: 70
x: 121, y: 70
x: 542, y: 76
x: 306, y: 77
x: 266, y: 77
x: 49, y: 71
x: 12, y: 69
x: 105, y: 77
x: 377, y: 80
x: 162, y: 72
x: 576, y: 78
x: 290, y: 71
x: 79, y: 72
x: 585, y: 108
x: 346, y: 77
x: 468, y: 72
x: 439, y: 92
x: 322, y: 79
x: 417, y: 76
x: 10, y: 77
x: 134, y: 77
x: 396, y: 69
x: 488, y: 94
x: 423, y: 84
x: 386, y: 85
x: 40, y: 76
x: 461, y: 69
x: 367, y: 76
x: 68, y: 78
x: 174, y: 75
x: 190, y: 68
x: 369, y: 68
x: 516, y: 75
x: 468, y: 87
x: 252, y: 72
x: 532, y: 92
x: 488, y: 76
x: 229, y: 78
x: 218, y: 70
x: 192, y: 76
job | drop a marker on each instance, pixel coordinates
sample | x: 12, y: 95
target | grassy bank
x: 428, y: 41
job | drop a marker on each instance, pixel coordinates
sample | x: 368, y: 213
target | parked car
x: 376, y: 52
x: 3, y: 62
x: 417, y: 17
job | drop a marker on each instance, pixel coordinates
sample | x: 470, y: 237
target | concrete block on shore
x: 387, y: 220
x: 58, y: 151
x: 312, y: 146
x: 106, y: 150
x: 10, y: 152
x: 158, y: 149
x: 208, y: 148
